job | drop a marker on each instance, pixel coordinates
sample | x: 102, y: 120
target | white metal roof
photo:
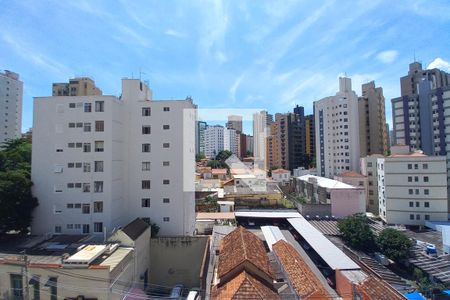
x: 272, y: 234
x: 332, y: 255
x: 268, y: 214
x: 114, y: 259
x: 87, y: 255
x: 326, y: 182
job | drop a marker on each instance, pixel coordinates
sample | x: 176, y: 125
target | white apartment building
x: 231, y: 140
x: 412, y: 188
x: 369, y: 169
x: 337, y: 131
x: 99, y: 162
x: 261, y: 122
x: 11, y: 93
x: 214, y: 140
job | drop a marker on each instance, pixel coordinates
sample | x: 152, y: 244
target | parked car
x: 176, y: 292
x: 194, y: 294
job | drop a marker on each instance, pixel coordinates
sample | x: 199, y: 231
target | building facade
x: 231, y: 140
x: 337, y: 131
x: 419, y: 114
x: 261, y: 125
x: 235, y: 122
x: 11, y: 93
x: 113, y: 159
x: 214, y: 140
x: 200, y: 137
x: 369, y: 169
x: 373, y: 134
x: 310, y: 139
x: 78, y: 86
x: 412, y: 189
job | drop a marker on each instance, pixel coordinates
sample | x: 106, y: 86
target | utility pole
x: 26, y: 291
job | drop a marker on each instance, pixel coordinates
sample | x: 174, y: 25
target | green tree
x: 154, y: 229
x: 215, y: 164
x: 394, y: 244
x: 199, y: 157
x: 356, y: 232
x: 16, y: 200
x: 223, y: 155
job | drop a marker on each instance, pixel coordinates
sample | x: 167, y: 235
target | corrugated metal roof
x: 268, y: 214
x: 272, y: 234
x: 331, y: 254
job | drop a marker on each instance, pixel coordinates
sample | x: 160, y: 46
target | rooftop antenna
x: 140, y: 73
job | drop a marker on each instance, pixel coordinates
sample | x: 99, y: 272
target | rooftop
x: 303, y: 280
x: 326, y: 182
x: 215, y: 216
x: 219, y: 171
x: 351, y: 174
x: 135, y: 228
x: 280, y: 171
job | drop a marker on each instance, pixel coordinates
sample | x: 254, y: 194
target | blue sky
x: 240, y: 54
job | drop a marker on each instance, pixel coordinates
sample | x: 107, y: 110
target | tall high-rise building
x: 231, y: 140
x: 200, y: 137
x: 261, y: 123
x: 310, y: 138
x: 78, y: 86
x: 372, y: 121
x: 98, y: 162
x: 234, y: 122
x: 214, y: 140
x: 337, y: 131
x: 249, y: 144
x: 11, y: 93
x: 242, y: 145
x: 419, y: 115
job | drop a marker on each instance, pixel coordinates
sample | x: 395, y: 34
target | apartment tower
x: 11, y: 93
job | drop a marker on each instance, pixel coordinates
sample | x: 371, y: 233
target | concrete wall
x: 313, y: 210
x: 177, y: 260
x: 348, y: 202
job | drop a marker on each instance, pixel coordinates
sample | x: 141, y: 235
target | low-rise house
x: 205, y: 172
x: 246, y: 196
x: 219, y: 174
x: 281, y: 176
x: 339, y: 199
x: 70, y: 267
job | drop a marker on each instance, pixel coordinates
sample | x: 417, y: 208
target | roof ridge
x: 241, y: 233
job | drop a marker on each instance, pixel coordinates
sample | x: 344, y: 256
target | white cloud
x: 440, y: 64
x: 235, y: 86
x: 175, y: 33
x: 387, y: 56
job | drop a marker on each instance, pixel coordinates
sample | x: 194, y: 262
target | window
x: 98, y: 227
x: 370, y: 192
x: 410, y: 191
x: 409, y: 178
x: 98, y: 166
x: 425, y: 179
x: 59, y: 149
x: 166, y: 127
x: 146, y: 148
x: 69, y: 205
x: 99, y: 106
x: 87, y: 127
x: 71, y: 105
x: 427, y: 217
x: 79, y: 145
x: 87, y: 107
x: 86, y: 209
x: 166, y: 181
x: 87, y: 147
x: 411, y: 217
x: 77, y: 205
x: 78, y: 185
x: 17, y: 286
x: 70, y: 145
x: 99, y: 126
x: 146, y: 129
x: 70, y: 185
x: 417, y: 217
x: 411, y: 204
x: 79, y: 125
x: 36, y: 287
x: 409, y: 166
x: 85, y: 228
x: 71, y: 125
x: 53, y: 284
x: 145, y: 202
x: 426, y: 204
x: 166, y: 219
x: 369, y: 164
x: 145, y: 166
x: 98, y: 206
x: 98, y: 186
x: 416, y: 178
x: 58, y: 229
x: 425, y: 166
x: 417, y: 204
x: 86, y: 187
x: 416, y: 166
x: 78, y: 165
x: 145, y: 184
x: 146, y: 111
x: 166, y: 163
x: 166, y: 145
x: 99, y: 145
x: 166, y: 200
x: 417, y: 191
x: 86, y: 167
x: 166, y: 108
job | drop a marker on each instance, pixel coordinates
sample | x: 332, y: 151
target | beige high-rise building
x: 78, y: 86
x: 372, y: 121
x: 234, y: 122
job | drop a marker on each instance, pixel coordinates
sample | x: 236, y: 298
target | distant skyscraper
x: 372, y: 121
x: 214, y: 140
x: 78, y: 86
x: 234, y: 122
x: 420, y: 115
x: 337, y: 131
x: 310, y: 138
x: 200, y: 137
x: 260, y: 132
x: 249, y: 143
x: 231, y: 140
x: 11, y: 92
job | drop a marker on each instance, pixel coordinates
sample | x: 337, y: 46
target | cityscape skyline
x: 229, y: 46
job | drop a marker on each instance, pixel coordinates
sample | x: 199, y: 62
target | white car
x: 194, y: 294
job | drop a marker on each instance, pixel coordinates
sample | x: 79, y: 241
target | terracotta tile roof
x: 280, y: 171
x: 351, y: 174
x: 305, y: 283
x: 376, y: 289
x: 239, y: 246
x: 244, y: 286
x: 414, y: 154
x: 219, y: 171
